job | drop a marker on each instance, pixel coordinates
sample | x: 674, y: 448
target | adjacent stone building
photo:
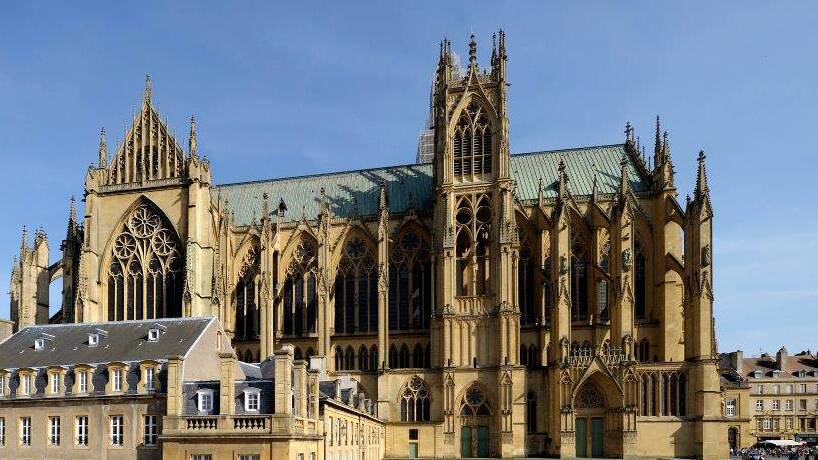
x: 488, y: 303
x: 781, y: 395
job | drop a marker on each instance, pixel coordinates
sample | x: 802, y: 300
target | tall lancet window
x: 602, y: 311
x: 145, y: 277
x: 472, y: 142
x: 473, y: 245
x: 299, y: 300
x: 579, y: 280
x: 410, y: 283
x: 245, y: 297
x: 526, y: 281
x: 640, y: 280
x: 356, y: 289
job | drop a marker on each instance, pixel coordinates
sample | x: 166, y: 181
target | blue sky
x: 283, y: 90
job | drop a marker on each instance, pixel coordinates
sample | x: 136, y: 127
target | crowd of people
x: 770, y: 452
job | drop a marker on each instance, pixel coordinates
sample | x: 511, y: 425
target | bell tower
x: 476, y: 319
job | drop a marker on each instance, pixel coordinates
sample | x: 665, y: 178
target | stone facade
x: 775, y: 397
x: 491, y: 304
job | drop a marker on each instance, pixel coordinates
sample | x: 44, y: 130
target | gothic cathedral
x: 493, y: 304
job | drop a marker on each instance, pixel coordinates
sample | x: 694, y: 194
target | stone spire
x: 103, y: 150
x: 72, y: 211
x: 702, y: 189
x: 562, y: 180
x: 24, y: 244
x: 382, y: 197
x: 192, y: 144
x: 148, y: 89
x: 624, y: 183
x: 472, y: 52
x: 657, y: 146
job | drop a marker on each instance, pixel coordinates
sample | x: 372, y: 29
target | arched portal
x: 475, y: 424
x: 597, y: 404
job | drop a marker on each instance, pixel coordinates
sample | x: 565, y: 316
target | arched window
x: 533, y: 355
x: 643, y: 351
x: 579, y: 281
x: 363, y: 358
x: 526, y: 284
x: 410, y: 284
x: 300, y: 291
x: 473, y: 244
x: 403, y: 361
x: 589, y: 396
x: 356, y: 289
x: 145, y: 277
x: 645, y: 391
x: 602, y: 311
x: 415, y: 405
x: 393, y: 357
x: 373, y: 358
x: 339, y: 358
x: 417, y: 356
x: 349, y: 358
x: 245, y: 297
x: 531, y: 412
x: 523, y: 355
x: 474, y: 403
x: 472, y: 143
x: 640, y: 280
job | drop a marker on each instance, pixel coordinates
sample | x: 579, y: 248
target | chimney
x: 314, y: 392
x: 737, y: 361
x: 319, y: 363
x: 779, y: 358
x: 300, y: 387
x: 283, y: 379
x: 227, y: 387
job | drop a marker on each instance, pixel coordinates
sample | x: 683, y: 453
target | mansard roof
x: 122, y: 341
x: 411, y: 186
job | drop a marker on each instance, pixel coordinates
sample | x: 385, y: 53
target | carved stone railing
x: 582, y: 357
x: 194, y: 425
x: 472, y: 305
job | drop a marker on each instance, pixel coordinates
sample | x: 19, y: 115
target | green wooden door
x: 465, y: 441
x: 482, y: 441
x: 413, y: 450
x: 597, y: 437
x: 581, y: 437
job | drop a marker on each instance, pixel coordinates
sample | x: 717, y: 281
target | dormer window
x: 252, y: 399
x: 776, y: 374
x: 153, y: 335
x: 39, y: 344
x: 205, y: 401
x: 757, y: 374
x: 93, y: 339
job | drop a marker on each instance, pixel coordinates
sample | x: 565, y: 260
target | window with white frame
x: 205, y: 400
x: 54, y: 431
x: 759, y: 405
x: 116, y: 380
x: 767, y: 423
x: 331, y: 431
x: 93, y: 339
x: 55, y: 382
x: 2, y: 431
x: 776, y: 404
x: 153, y: 335
x: 2, y: 386
x: 201, y: 457
x: 149, y: 374
x: 249, y: 457
x: 81, y: 430
x: 252, y: 397
x: 788, y: 404
x: 802, y: 404
x: 39, y: 344
x: 760, y: 389
x: 150, y: 430
x: 788, y: 389
x: 117, y: 430
x: 26, y: 385
x: 731, y: 408
x: 25, y: 431
x: 776, y: 389
x: 788, y: 423
x: 82, y: 378
x: 802, y: 388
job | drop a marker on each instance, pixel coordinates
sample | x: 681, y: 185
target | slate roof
x: 790, y: 365
x: 412, y: 185
x: 67, y: 344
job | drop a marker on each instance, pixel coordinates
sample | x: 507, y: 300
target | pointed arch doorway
x: 589, y: 418
x: 475, y: 422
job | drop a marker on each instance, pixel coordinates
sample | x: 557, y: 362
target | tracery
x: 474, y: 217
x: 410, y: 283
x: 415, y: 404
x: 356, y: 289
x: 145, y: 278
x: 300, y: 290
x: 472, y: 142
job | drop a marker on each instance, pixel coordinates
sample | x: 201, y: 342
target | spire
x: 493, y: 49
x: 24, y: 243
x: 501, y: 50
x: 323, y: 204
x: 540, y: 194
x: 192, y: 145
x: 103, y: 149
x: 282, y: 207
x: 562, y: 179
x: 382, y: 198
x: 72, y: 210
x: 472, y: 52
x: 701, y: 177
x: 628, y: 132
x: 657, y: 148
x: 665, y: 147
x: 624, y: 183
x: 148, y: 89
x: 265, y: 206
x: 594, y: 186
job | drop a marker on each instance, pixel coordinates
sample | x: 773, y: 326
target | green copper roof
x: 356, y: 192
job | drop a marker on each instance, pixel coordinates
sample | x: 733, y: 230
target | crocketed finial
x: 148, y: 88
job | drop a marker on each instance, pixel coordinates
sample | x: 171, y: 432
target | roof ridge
x: 404, y: 165
x: 130, y: 321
